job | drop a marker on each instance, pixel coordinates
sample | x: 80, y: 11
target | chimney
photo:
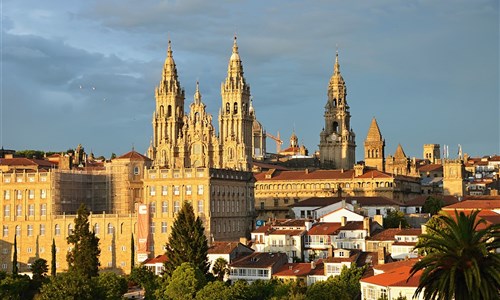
x: 243, y: 240
x: 343, y: 220
x: 307, y: 171
x: 330, y: 251
x: 381, y: 255
x: 366, y: 225
x: 379, y: 219
x: 343, y: 203
x: 308, y: 225
x: 291, y: 267
x: 313, y: 265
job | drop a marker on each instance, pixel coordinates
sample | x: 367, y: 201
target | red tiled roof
x: 397, y: 264
x: 352, y: 225
x: 222, y: 247
x: 324, y: 229
x: 158, y: 259
x: 410, y: 231
x: 353, y: 256
x: 287, y: 232
x: 303, y: 175
x: 265, y: 166
x: 22, y: 161
x: 362, y: 201
x: 262, y: 229
x: 420, y: 200
x: 385, y: 235
x: 396, y: 277
x: 430, y: 168
x: 133, y: 155
x: 474, y: 204
x: 375, y: 174
x: 258, y: 260
x: 294, y: 270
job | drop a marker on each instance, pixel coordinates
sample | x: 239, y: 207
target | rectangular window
x: 176, y: 206
x: 6, y: 194
x: 200, y: 189
x: 31, y: 194
x: 30, y: 230
x: 19, y: 178
x: 43, y: 194
x: 6, y: 210
x: 164, y: 207
x: 152, y: 190
x: 19, y: 194
x: 43, y: 209
x: 164, y: 190
x: 152, y: 228
x: 276, y: 202
x: 164, y: 227
x: 42, y: 229
x: 31, y: 210
x: 152, y: 208
x: 176, y: 190
x: 200, y: 206
x: 19, y: 210
x: 5, y: 230
x: 188, y: 190
x: 43, y: 178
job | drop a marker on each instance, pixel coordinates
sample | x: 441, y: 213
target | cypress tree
x: 83, y: 259
x: 187, y: 242
x: 14, y: 257
x: 132, y: 252
x: 53, y: 263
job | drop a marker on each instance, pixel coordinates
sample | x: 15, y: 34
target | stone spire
x: 235, y: 79
x: 374, y: 134
x: 169, y: 80
x: 197, y: 94
x: 336, y: 87
x: 399, y: 152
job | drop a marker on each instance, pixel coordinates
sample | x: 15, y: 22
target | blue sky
x: 427, y: 70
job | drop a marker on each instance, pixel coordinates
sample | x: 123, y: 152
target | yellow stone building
x: 186, y: 161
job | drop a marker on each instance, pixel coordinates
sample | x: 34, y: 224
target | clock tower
x: 337, y: 140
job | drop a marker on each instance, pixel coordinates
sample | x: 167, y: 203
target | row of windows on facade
x: 176, y: 173
x: 19, y: 194
x: 20, y: 178
x: 41, y: 250
x: 216, y: 190
x: 110, y: 265
x: 19, y: 210
x: 96, y: 229
x: 236, y: 226
x: 321, y: 186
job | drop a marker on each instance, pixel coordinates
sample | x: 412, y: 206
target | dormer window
x: 136, y: 170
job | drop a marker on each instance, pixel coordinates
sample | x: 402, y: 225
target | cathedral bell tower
x: 337, y: 140
x: 374, y: 147
x: 168, y: 116
x: 235, y: 121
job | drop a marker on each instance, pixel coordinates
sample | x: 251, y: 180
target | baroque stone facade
x: 337, y: 140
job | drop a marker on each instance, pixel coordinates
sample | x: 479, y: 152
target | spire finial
x: 336, y: 67
x: 169, y: 50
x: 235, y: 44
x: 197, y: 94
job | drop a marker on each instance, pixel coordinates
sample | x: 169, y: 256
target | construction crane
x: 278, y: 141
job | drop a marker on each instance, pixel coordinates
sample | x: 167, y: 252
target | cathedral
x: 189, y: 140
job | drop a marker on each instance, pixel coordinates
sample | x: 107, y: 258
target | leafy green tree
x: 394, y: 219
x: 15, y: 269
x: 30, y: 154
x: 344, y: 286
x: 66, y: 286
x: 187, y: 242
x: 215, y: 290
x: 146, y: 279
x: 220, y: 268
x: 432, y: 205
x: 463, y: 262
x: 113, y: 155
x: 39, y: 268
x: 184, y: 283
x: 84, y: 255
x: 112, y: 285
x: 53, y: 263
x: 16, y: 287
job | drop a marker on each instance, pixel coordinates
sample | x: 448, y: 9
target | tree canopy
x: 84, y: 255
x: 432, y: 205
x: 187, y: 242
x: 462, y: 262
x: 394, y: 219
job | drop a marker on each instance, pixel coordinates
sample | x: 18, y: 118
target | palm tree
x: 462, y: 262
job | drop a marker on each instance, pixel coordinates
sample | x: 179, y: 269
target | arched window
x: 169, y: 111
x: 57, y: 229
x: 162, y: 111
x: 235, y: 109
x: 376, y: 153
x: 228, y: 108
x: 335, y: 127
x: 334, y: 102
x: 121, y: 227
x: 18, y: 230
x: 96, y: 228
x: 111, y: 229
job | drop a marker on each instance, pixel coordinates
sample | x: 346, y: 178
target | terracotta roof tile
x: 303, y: 175
x: 397, y: 277
x: 420, y: 200
x: 431, y: 168
x: 133, y: 155
x: 475, y: 204
x: 397, y: 264
x: 362, y: 201
x: 259, y: 260
x: 158, y: 259
x: 294, y: 270
x: 324, y: 229
x: 222, y: 247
